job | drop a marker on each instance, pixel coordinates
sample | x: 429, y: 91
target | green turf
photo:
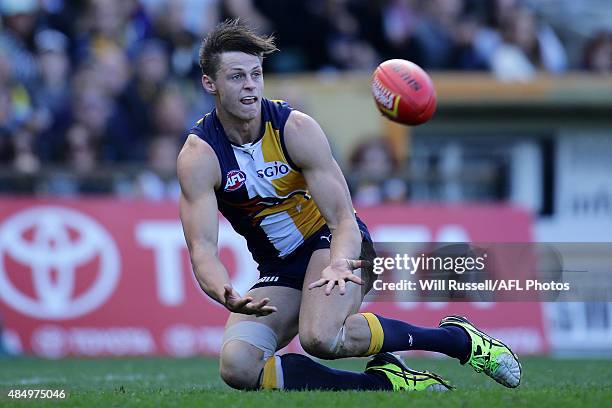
x: 195, y: 382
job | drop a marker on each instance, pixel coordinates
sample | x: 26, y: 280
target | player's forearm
x: 346, y: 242
x: 210, y: 273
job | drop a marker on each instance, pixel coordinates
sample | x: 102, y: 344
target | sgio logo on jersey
x: 273, y: 171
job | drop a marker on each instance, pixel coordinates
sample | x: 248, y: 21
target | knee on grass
x: 241, y: 365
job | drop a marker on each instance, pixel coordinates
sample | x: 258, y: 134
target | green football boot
x: 488, y: 355
x: 403, y: 378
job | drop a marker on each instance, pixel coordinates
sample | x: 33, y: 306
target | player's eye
x: 236, y: 76
x: 256, y: 74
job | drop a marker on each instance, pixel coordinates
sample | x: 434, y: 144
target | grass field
x: 195, y: 382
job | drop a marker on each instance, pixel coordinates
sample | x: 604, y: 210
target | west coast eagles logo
x: 235, y: 180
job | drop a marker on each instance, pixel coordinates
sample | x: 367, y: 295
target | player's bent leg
x: 240, y: 365
x: 291, y: 371
x: 249, y: 341
x: 329, y: 326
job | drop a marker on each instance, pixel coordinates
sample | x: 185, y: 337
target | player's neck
x: 240, y: 131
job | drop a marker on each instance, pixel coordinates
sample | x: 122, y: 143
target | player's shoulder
x: 197, y: 157
x: 298, y: 122
x: 198, y: 142
x: 194, y: 146
x: 305, y: 140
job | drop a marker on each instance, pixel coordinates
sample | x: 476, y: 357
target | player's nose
x: 249, y: 83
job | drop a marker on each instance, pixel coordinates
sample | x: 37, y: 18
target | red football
x: 403, y: 92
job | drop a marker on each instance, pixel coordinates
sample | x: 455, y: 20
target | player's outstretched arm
x: 199, y: 174
x: 309, y: 149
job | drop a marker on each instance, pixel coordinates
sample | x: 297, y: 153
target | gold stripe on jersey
x: 304, y: 212
x: 307, y: 217
x: 272, y: 151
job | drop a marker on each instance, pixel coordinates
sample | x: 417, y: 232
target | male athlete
x: 269, y: 170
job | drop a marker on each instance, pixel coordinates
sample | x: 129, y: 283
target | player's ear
x: 209, y: 85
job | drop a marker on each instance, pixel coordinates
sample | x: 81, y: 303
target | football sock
x: 298, y: 372
x: 395, y: 335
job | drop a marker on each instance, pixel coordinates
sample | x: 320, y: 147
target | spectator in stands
x: 175, y: 26
x: 159, y: 181
x: 374, y: 167
x: 17, y: 125
x: 598, y: 53
x: 17, y: 38
x: 7, y: 120
x: 112, y: 63
x: 86, y: 78
x: 170, y: 113
x: 118, y: 22
x: 81, y: 154
x: 250, y: 10
x: 400, y: 20
x: 465, y: 54
x: 52, y: 93
x: 6, y: 144
x: 528, y: 46
x: 346, y: 47
x: 81, y: 158
x: 26, y: 160
x: 96, y: 110
x: 436, y: 32
x: 151, y: 71
x: 85, y: 83
x: 291, y: 22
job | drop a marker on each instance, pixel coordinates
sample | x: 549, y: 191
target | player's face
x: 239, y: 85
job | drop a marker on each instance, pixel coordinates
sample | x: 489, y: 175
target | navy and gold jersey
x: 263, y: 194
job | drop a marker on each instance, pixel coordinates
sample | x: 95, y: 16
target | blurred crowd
x: 85, y: 85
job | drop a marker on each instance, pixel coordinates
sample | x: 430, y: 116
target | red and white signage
x: 97, y: 277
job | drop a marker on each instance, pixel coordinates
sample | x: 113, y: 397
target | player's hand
x: 245, y: 305
x: 338, y: 273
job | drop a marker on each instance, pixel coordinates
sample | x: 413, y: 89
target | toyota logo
x: 56, y: 246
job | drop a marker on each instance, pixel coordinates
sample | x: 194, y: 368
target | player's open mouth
x: 248, y: 100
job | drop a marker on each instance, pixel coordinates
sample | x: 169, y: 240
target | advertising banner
x: 106, y: 277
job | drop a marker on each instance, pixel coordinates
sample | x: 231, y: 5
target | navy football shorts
x: 291, y: 270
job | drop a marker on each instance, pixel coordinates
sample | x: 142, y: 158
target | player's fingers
x: 317, y: 284
x: 260, y: 311
x: 329, y: 287
x: 342, y: 286
x: 260, y: 304
x: 264, y: 311
x: 261, y: 314
x: 355, y: 279
x: 240, y: 303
